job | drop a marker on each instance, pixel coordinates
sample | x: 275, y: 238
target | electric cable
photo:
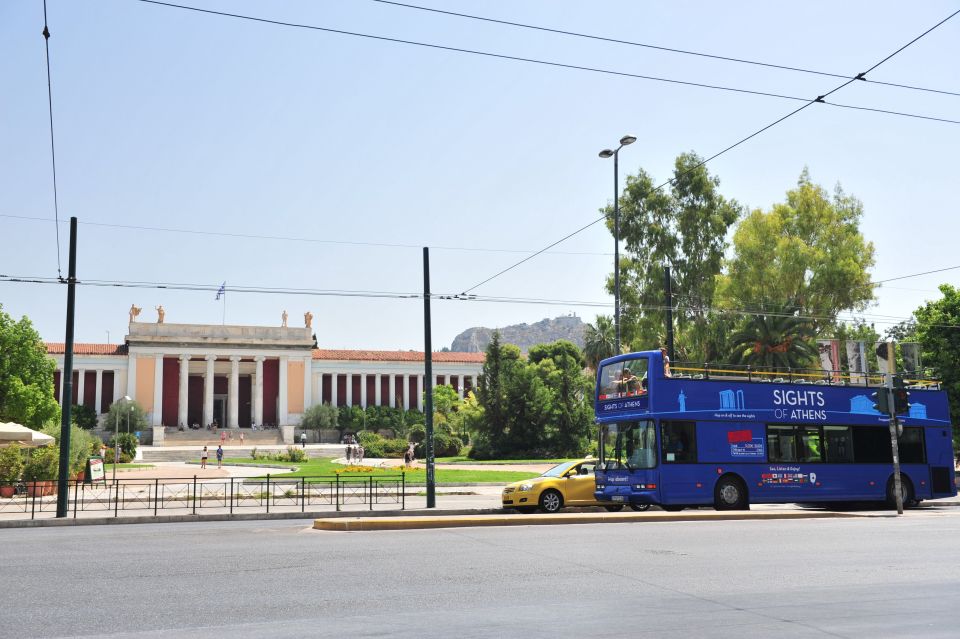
x: 53, y: 150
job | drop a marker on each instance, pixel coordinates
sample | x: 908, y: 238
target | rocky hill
x: 475, y: 339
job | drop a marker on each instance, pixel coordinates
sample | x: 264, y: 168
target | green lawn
x: 467, y: 460
x: 321, y: 466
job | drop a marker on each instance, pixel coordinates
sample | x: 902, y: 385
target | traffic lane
x: 799, y: 578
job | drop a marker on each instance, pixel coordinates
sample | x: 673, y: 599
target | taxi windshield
x: 559, y: 470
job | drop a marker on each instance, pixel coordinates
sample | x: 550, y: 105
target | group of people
x: 204, y: 454
x: 354, y: 451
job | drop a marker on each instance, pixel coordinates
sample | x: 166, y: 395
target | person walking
x: 223, y: 437
x: 219, y: 456
x: 203, y: 457
x: 241, y: 438
x: 303, y: 440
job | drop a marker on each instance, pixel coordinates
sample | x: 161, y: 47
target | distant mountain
x: 475, y: 339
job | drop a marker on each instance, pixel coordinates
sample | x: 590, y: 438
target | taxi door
x: 580, y: 484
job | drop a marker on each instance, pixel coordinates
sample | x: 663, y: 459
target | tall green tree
x: 599, y: 341
x: 498, y: 366
x: 778, y: 340
x: 939, y: 336
x: 26, y: 375
x: 808, y: 250
x: 684, y: 228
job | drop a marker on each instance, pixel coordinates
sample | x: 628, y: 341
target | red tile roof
x: 58, y: 348
x: 397, y: 356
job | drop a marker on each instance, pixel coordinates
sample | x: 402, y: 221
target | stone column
x: 349, y: 389
x: 258, y: 391
x: 334, y: 388
x: 307, y: 382
x: 282, y: 412
x: 376, y: 390
x: 423, y: 389
x: 99, y: 396
x: 182, y: 397
x: 158, y: 391
x: 406, y: 392
x: 208, y: 391
x: 392, y: 391
x: 81, y: 375
x: 461, y: 382
x: 233, y: 399
x: 363, y: 390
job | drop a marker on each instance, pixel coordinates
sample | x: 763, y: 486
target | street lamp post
x: 606, y: 153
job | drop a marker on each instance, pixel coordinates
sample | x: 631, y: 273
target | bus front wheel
x: 730, y: 494
x: 640, y: 508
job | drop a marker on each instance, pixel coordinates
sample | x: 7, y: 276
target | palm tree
x: 599, y: 341
x: 778, y: 340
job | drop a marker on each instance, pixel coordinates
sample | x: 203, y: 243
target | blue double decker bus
x: 733, y: 438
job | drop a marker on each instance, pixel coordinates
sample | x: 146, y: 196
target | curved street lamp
x: 615, y: 154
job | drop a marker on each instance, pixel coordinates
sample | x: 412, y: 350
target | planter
x: 41, y: 488
x: 7, y: 490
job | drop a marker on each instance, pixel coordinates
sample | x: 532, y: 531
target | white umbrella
x: 10, y: 432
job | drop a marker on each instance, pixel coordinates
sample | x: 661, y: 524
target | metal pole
x: 428, y: 380
x: 616, y: 249
x: 668, y: 287
x: 116, y: 436
x: 62, y: 495
x: 894, y: 445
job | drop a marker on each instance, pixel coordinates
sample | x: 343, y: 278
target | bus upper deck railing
x: 179, y: 496
x: 690, y: 370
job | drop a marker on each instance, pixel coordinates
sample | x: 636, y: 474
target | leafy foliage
x: 808, y: 249
x: 779, y: 340
x: 83, y: 416
x: 599, y: 341
x: 42, y: 464
x: 120, y: 412
x: 128, y: 443
x: 26, y: 375
x: 940, y: 343
x: 11, y: 463
x: 320, y: 417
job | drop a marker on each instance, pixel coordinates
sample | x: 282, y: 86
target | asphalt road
x: 864, y: 577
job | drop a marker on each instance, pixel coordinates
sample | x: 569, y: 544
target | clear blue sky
x: 177, y: 119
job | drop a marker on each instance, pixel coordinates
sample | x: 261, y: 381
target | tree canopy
x: 26, y: 375
x: 939, y: 337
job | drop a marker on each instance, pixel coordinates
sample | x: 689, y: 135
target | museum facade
x: 243, y: 376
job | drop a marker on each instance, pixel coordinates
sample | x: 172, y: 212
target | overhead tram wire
x: 645, y: 45
x: 260, y: 290
x: 53, y: 148
x: 549, y: 63
x: 281, y: 238
x: 819, y: 98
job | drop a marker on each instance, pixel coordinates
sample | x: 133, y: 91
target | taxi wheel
x: 551, y: 501
x: 614, y: 509
x: 640, y: 508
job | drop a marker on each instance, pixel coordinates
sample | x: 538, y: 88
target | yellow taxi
x: 567, y: 484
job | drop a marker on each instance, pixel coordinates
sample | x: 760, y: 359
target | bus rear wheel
x: 906, y: 493
x: 614, y: 509
x: 730, y: 494
x: 640, y: 508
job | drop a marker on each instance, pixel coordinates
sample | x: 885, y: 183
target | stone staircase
x: 201, y: 438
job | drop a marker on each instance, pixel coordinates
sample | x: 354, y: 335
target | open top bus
x: 729, y: 438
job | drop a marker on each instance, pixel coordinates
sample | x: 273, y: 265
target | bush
x: 320, y: 417
x: 444, y: 445
x: 122, y: 413
x: 294, y: 454
x: 11, y: 463
x: 83, y: 416
x: 373, y: 444
x: 42, y: 464
x: 125, y: 458
x: 128, y: 443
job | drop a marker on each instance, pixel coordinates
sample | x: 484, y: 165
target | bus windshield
x: 623, y: 379
x: 630, y: 445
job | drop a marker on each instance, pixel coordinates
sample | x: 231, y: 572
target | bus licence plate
x: 619, y: 498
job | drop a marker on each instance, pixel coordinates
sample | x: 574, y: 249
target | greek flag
x: 222, y: 290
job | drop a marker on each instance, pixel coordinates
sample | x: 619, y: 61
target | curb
x: 474, y: 520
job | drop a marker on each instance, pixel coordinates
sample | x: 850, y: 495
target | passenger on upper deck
x: 666, y: 362
x: 628, y: 382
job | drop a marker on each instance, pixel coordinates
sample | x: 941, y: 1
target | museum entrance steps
x: 191, y: 452
x: 251, y: 438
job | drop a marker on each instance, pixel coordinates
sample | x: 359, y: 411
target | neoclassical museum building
x: 238, y: 376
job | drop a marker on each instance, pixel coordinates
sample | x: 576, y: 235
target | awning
x: 10, y: 432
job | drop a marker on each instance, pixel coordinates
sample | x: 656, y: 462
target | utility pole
x: 428, y: 380
x: 62, y: 491
x: 894, y: 445
x: 668, y: 288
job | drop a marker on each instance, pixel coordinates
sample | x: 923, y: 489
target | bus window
x: 911, y: 446
x: 624, y: 379
x: 838, y: 444
x: 781, y: 444
x: 811, y: 449
x: 871, y: 445
x: 630, y: 445
x: 678, y: 441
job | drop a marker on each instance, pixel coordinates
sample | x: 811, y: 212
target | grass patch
x: 502, y: 462
x: 321, y: 466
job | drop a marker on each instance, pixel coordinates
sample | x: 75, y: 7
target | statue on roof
x: 308, y: 319
x: 134, y: 312
x: 160, y: 314
x: 284, y: 319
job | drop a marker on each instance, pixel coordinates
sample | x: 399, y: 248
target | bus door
x: 629, y: 459
x: 680, y: 481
